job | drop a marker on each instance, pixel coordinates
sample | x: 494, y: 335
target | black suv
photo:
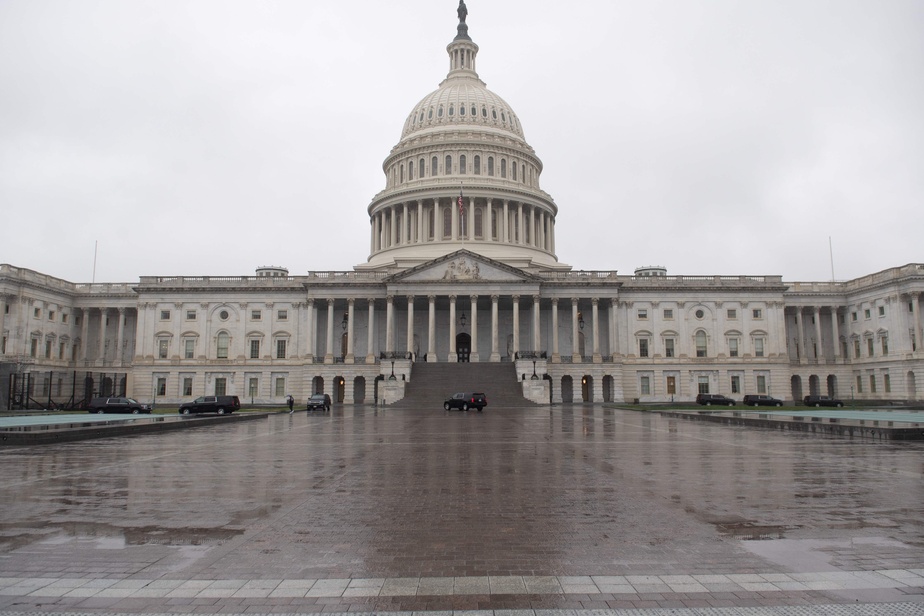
x: 319, y: 402
x: 211, y: 404
x: 466, y: 401
x: 710, y: 399
x: 117, y: 405
x: 761, y: 400
x: 822, y: 401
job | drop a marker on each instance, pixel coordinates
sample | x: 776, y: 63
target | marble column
x: 556, y: 357
x: 103, y: 313
x: 819, y: 346
x: 393, y: 228
x: 390, y: 325
x: 452, y: 329
x: 120, y: 336
x: 431, y: 329
x: 410, y: 324
x: 4, y: 302
x: 537, y: 343
x: 309, y: 331
x: 495, y: 354
x: 489, y: 230
x: 474, y: 348
x: 597, y: 357
x: 420, y: 222
x: 506, y: 236
x: 351, y: 340
x: 405, y: 226
x: 803, y: 353
x: 575, y: 332
x: 329, y: 354
x: 516, y: 325
x: 834, y: 334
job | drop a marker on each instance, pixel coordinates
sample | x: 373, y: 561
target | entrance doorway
x: 463, y: 347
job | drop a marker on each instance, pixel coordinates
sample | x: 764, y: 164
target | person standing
x: 291, y: 402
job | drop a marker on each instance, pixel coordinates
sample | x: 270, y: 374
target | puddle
x: 751, y: 532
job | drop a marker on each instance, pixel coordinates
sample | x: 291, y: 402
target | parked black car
x: 761, y: 400
x: 117, y: 405
x: 710, y: 399
x: 319, y: 402
x: 211, y: 404
x: 822, y: 401
x: 465, y: 401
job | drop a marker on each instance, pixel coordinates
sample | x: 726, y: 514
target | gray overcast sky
x: 212, y: 137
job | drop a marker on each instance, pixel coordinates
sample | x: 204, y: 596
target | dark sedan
x: 822, y: 401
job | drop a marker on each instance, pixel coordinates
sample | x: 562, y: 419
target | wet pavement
x: 544, y: 509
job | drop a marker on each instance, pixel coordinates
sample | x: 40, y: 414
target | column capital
x: 594, y: 301
x: 575, y: 300
x: 371, y: 301
x: 310, y: 302
x: 351, y: 301
x: 515, y: 298
x: 410, y: 299
x: 122, y: 311
x: 474, y: 297
x: 389, y: 298
x: 494, y: 298
x: 535, y: 299
x: 431, y: 298
x: 452, y: 298
x: 555, y: 301
x: 330, y: 301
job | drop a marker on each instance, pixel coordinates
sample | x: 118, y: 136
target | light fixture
x: 463, y: 320
x: 581, y: 320
x: 345, y: 321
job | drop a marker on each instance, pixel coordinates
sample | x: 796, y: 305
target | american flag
x: 461, y: 207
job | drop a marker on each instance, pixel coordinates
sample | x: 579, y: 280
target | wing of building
x: 462, y: 286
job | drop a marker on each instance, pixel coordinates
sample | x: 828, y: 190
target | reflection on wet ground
x: 530, y: 493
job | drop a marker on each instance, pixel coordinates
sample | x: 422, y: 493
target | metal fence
x: 54, y: 389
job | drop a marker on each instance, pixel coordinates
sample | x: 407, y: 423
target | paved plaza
x: 531, y: 510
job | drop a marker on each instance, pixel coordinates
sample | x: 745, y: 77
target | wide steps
x: 432, y: 383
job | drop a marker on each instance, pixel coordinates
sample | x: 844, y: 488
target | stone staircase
x: 432, y: 383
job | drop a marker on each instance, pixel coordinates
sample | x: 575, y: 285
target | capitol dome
x: 462, y: 176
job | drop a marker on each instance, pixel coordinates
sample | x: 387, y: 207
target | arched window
x: 461, y: 110
x: 513, y: 169
x: 448, y: 169
x: 477, y: 165
x: 451, y: 110
x: 522, y: 173
x: 439, y: 112
x: 484, y: 112
x: 700, y: 343
x: 479, y: 227
x: 494, y: 226
x: 503, y: 167
x: 447, y: 223
x: 421, y: 166
x: 434, y: 164
x: 462, y: 164
x: 490, y: 165
x: 401, y: 174
x: 494, y: 113
x: 474, y: 111
x: 430, y: 114
x: 410, y: 170
x: 221, y: 350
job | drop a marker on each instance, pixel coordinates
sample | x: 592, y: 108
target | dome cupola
x: 462, y: 175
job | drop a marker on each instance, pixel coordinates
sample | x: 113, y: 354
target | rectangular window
x: 61, y: 350
x: 872, y: 383
x: 759, y: 347
x: 643, y: 347
x: 161, y: 386
x: 51, y: 315
x: 3, y: 346
x: 671, y: 385
x: 866, y: 313
x: 256, y: 315
x: 221, y: 386
x: 162, y: 348
x: 164, y: 315
x: 64, y: 317
x: 885, y: 345
x: 761, y: 384
x: 869, y: 347
x: 282, y: 315
x: 642, y: 314
x: 840, y: 319
x: 222, y: 348
x: 669, y: 347
x: 254, y: 349
x: 668, y: 314
x: 736, y: 384
x: 280, y: 386
x: 645, y: 385
x: 702, y: 384
x: 853, y: 316
x: 731, y: 314
x: 187, y: 386
x: 189, y: 350
x: 856, y: 349
x: 48, y: 349
x: 882, y: 311
x: 859, y: 384
x: 280, y: 349
x: 252, y: 386
x: 37, y: 313
x: 757, y: 313
x: 190, y: 315
x: 733, y: 347
x: 886, y: 383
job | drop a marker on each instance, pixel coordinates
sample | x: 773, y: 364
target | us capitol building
x: 461, y: 275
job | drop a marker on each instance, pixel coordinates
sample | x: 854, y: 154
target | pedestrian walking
x: 291, y: 402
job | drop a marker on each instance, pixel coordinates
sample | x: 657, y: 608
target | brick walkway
x: 537, y: 509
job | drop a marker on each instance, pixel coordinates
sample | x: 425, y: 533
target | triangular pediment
x: 463, y: 266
